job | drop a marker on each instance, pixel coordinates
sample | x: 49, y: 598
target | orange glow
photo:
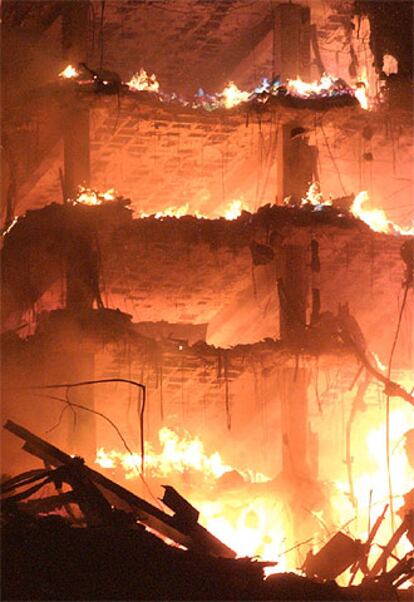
x: 232, y: 96
x: 376, y: 219
x: 254, y: 517
x: 69, y: 73
x: 88, y: 196
x: 141, y: 81
x: 370, y: 475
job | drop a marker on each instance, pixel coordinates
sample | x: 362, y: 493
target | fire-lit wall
x: 163, y: 161
x: 192, y: 271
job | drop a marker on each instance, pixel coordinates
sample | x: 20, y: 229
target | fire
x: 177, y: 212
x: 177, y: 455
x: 69, y: 73
x: 141, y: 81
x: 234, y: 209
x: 370, y: 476
x: 251, y: 526
x: 253, y: 515
x: 232, y: 96
x: 231, y: 211
x: 376, y: 219
x: 361, y: 89
x: 88, y: 196
x: 314, y: 196
x: 326, y: 86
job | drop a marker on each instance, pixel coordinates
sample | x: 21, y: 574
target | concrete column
x: 292, y: 41
x: 292, y: 59
x: 76, y: 118
x: 294, y: 419
x: 293, y: 290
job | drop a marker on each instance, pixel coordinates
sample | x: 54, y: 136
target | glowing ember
x: 232, y: 96
x: 141, y: 81
x: 376, y: 219
x: 69, y: 73
x: 88, y: 196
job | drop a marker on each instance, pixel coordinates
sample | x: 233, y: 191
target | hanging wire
x: 141, y: 399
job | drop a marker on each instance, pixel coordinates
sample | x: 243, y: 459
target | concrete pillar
x: 294, y: 419
x: 293, y: 290
x: 292, y: 41
x: 76, y: 117
x: 292, y: 59
x: 297, y: 162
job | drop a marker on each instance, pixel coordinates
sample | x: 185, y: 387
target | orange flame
x: 255, y: 522
x: 230, y: 212
x: 232, y: 96
x: 298, y: 87
x: 69, y: 72
x: 376, y: 219
x: 314, y: 196
x: 88, y: 196
x: 141, y: 81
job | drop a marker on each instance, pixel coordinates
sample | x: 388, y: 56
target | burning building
x: 207, y: 283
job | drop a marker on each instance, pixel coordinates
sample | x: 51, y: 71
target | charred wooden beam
x: 197, y: 538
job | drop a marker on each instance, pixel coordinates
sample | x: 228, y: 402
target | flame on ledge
x: 91, y: 197
x: 376, y: 219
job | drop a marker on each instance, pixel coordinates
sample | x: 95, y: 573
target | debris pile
x: 96, y: 540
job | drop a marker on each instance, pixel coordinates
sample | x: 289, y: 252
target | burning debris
x: 327, y: 88
x: 95, y: 502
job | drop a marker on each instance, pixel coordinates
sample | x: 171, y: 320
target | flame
x: 231, y: 211
x: 178, y: 212
x: 232, y: 96
x: 326, y: 86
x: 371, y: 477
x: 361, y: 89
x: 258, y: 522
x: 177, y: 455
x: 234, y: 209
x: 376, y: 219
x: 69, y: 73
x: 360, y: 92
x: 314, y: 196
x: 249, y: 526
x: 88, y: 196
x: 141, y: 81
